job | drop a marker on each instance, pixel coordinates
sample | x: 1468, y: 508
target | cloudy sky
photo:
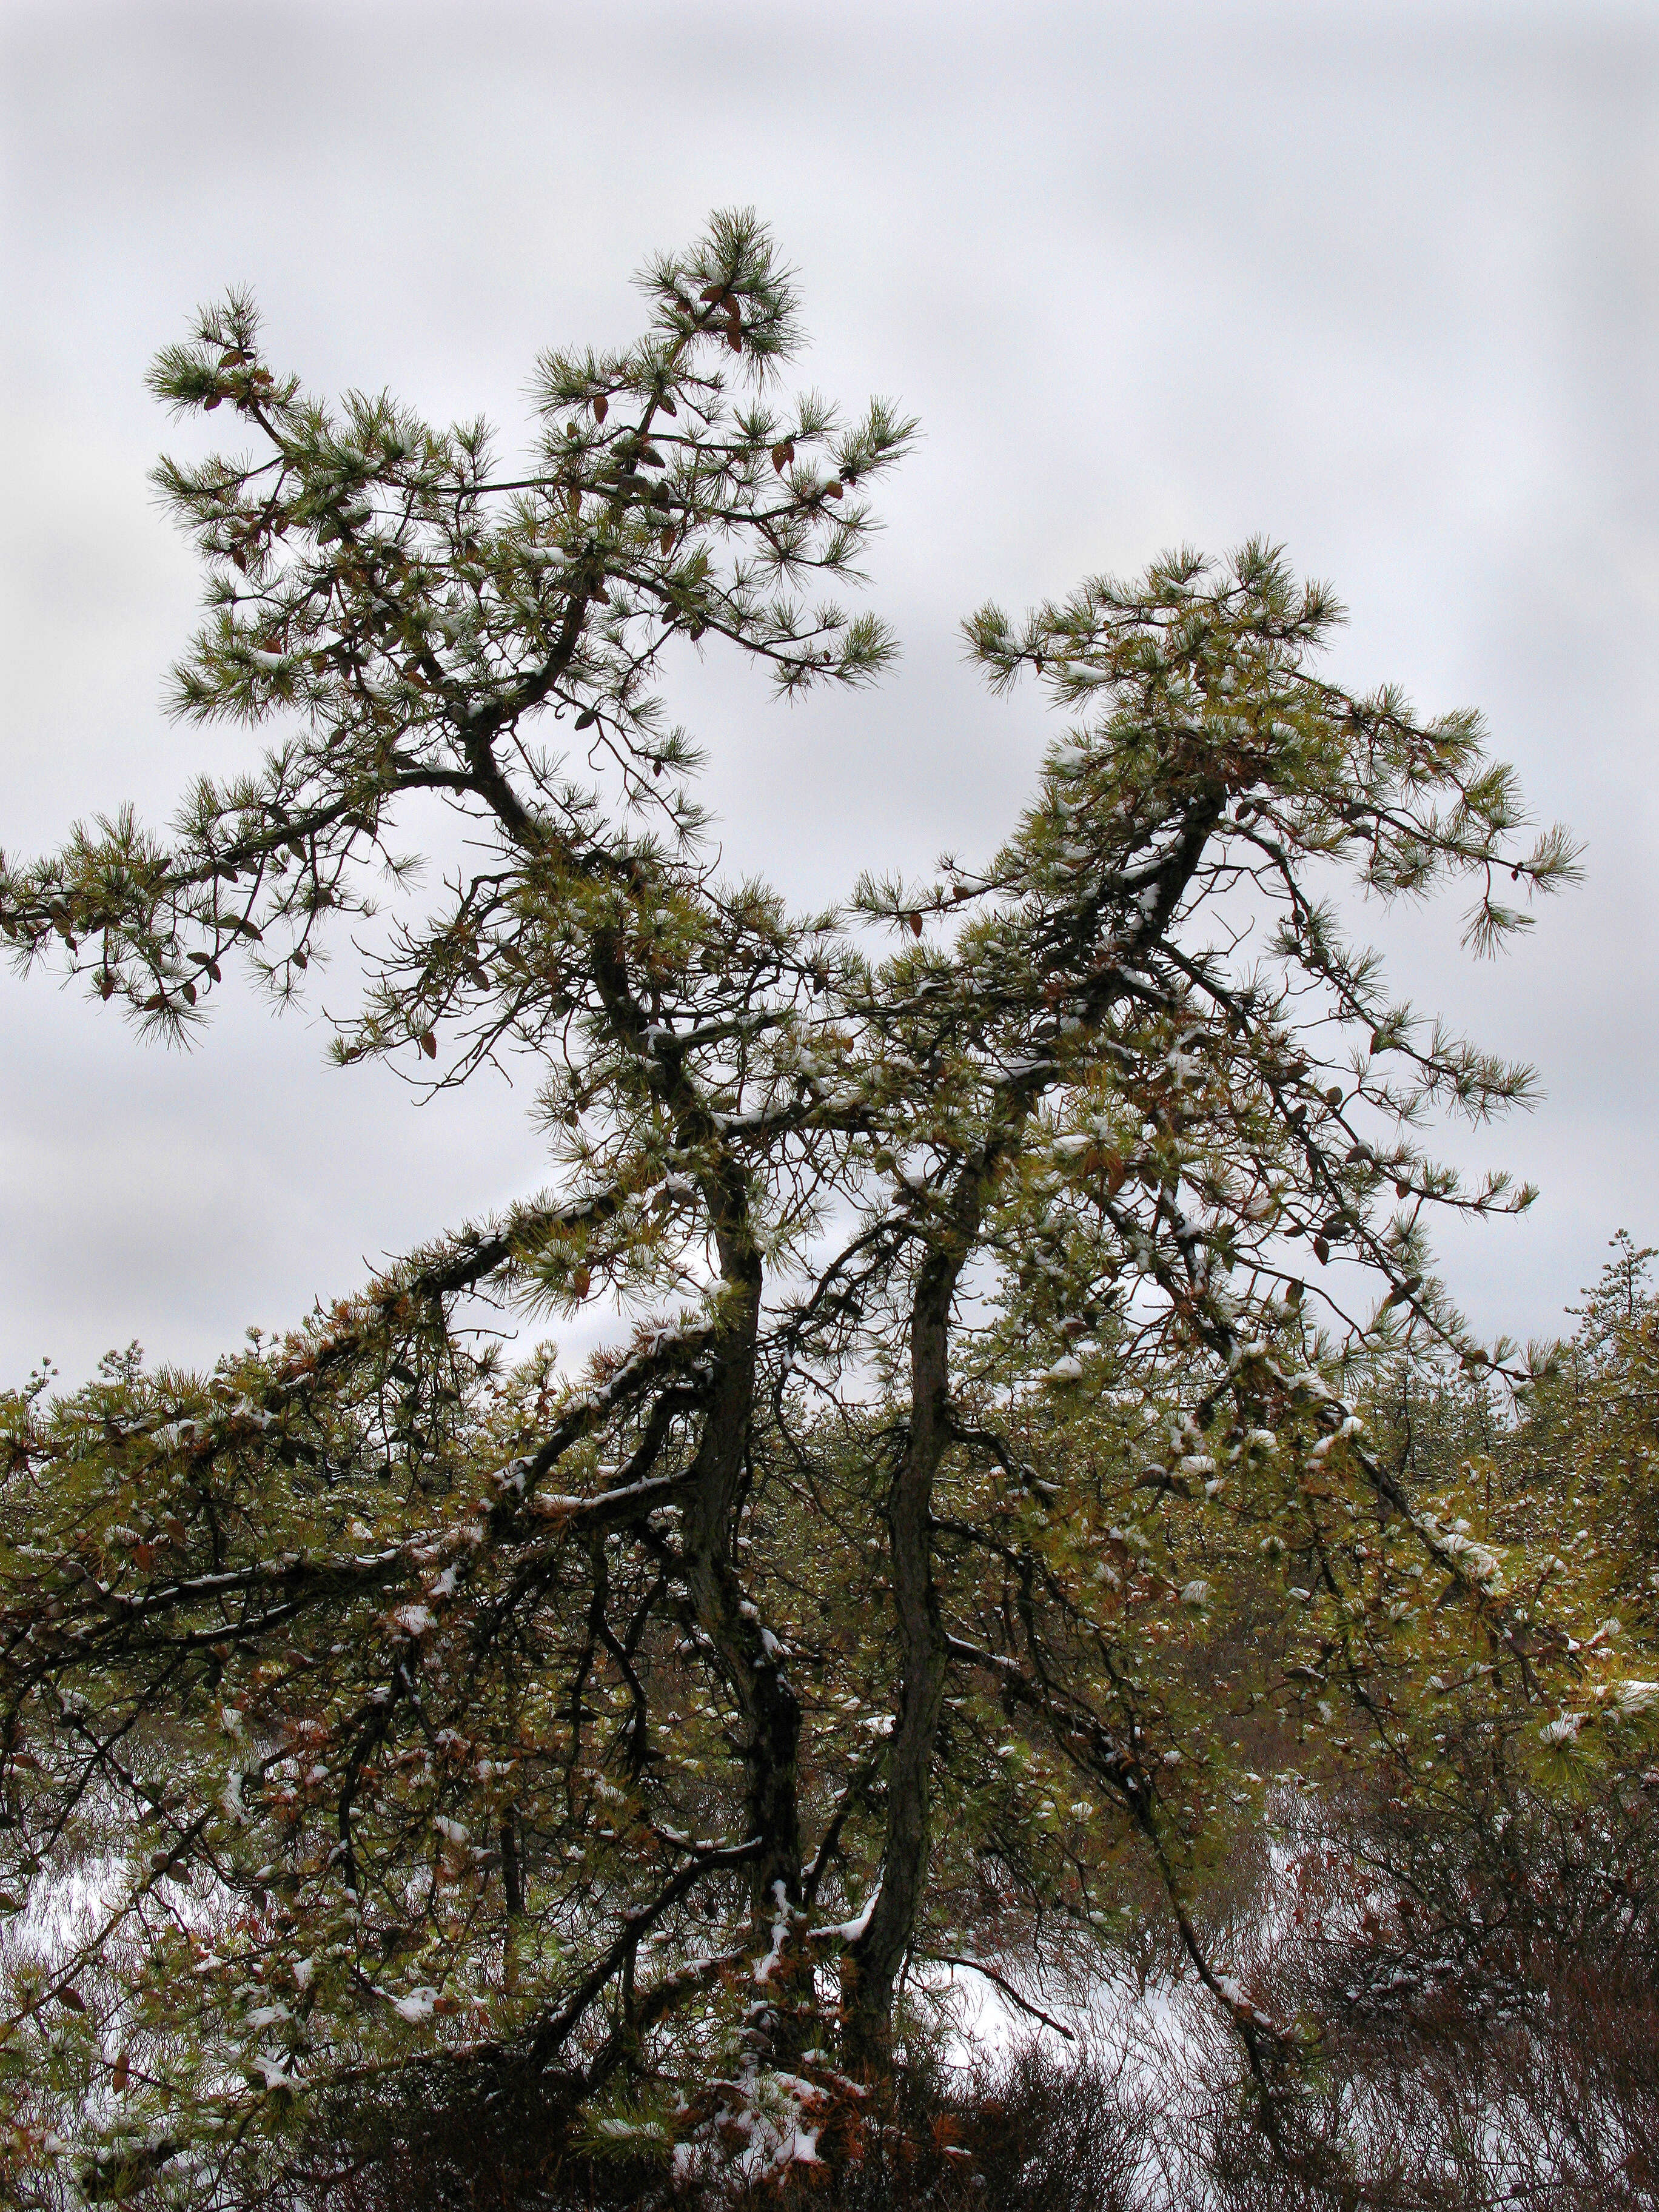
x: 1379, y: 281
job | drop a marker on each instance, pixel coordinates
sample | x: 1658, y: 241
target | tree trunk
x: 748, y: 1657
x: 871, y: 1965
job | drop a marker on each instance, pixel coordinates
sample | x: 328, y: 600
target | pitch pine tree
x: 458, y: 1733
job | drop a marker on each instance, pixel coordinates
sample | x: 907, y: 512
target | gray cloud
x: 1381, y: 284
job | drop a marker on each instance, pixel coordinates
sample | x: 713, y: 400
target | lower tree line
x: 414, y: 1843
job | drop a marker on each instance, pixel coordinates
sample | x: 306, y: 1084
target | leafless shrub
x: 1485, y: 1979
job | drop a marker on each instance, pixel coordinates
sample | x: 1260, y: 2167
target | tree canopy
x: 1009, y: 1271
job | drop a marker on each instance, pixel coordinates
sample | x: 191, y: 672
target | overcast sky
x: 1380, y: 282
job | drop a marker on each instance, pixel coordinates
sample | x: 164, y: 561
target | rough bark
x: 871, y: 1965
x: 749, y: 1658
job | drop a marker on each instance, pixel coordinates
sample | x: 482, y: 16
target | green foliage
x: 416, y: 612
x: 978, y: 1502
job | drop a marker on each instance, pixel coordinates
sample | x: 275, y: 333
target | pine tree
x: 456, y: 1734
